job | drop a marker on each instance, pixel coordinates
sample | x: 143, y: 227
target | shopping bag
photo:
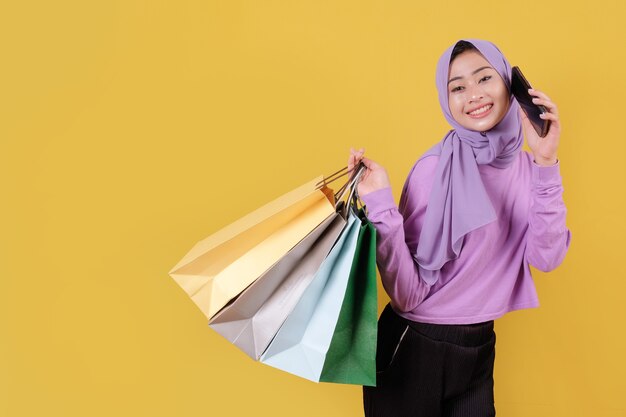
x: 351, y: 356
x: 221, y: 266
x: 301, y: 344
x: 252, y: 319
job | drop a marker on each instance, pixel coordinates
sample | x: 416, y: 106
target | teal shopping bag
x: 300, y: 345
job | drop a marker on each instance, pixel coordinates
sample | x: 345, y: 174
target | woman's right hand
x: 375, y: 176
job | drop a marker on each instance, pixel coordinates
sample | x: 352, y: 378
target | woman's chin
x: 480, y: 127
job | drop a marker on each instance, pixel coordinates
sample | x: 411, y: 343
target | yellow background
x: 132, y: 129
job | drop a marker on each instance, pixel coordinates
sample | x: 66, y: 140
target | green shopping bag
x: 351, y: 357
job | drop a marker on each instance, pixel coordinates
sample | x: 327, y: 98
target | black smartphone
x: 519, y: 89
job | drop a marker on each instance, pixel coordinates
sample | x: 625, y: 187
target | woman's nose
x: 476, y: 93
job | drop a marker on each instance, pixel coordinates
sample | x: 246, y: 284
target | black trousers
x: 432, y: 369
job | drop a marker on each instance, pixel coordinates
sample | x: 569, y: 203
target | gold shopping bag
x: 220, y: 267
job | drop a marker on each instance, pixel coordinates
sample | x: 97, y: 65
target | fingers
x: 358, y: 153
x: 548, y: 104
x: 544, y: 100
x: 369, y: 164
x: 355, y: 157
x: 555, y: 125
x: 534, y: 92
x: 549, y: 116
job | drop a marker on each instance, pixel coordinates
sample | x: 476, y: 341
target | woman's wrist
x: 546, y: 162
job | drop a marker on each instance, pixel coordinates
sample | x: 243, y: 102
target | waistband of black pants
x: 474, y: 334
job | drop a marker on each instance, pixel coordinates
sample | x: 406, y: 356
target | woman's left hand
x: 544, y: 149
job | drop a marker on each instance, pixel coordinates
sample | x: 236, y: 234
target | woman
x: 475, y: 211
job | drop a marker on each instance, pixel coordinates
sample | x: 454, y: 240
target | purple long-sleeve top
x: 492, y: 274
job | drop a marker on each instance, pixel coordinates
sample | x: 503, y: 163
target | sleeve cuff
x: 546, y: 175
x: 379, y: 200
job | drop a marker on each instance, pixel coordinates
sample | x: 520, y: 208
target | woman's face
x: 477, y: 96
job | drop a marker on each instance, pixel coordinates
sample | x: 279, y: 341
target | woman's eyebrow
x: 475, y: 71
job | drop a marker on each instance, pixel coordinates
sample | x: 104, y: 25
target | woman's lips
x: 481, y: 115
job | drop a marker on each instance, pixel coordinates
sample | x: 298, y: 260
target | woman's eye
x: 486, y: 77
x: 456, y: 88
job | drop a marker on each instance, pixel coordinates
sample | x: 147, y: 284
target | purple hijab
x: 458, y: 202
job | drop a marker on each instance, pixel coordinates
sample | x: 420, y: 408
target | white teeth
x: 481, y: 110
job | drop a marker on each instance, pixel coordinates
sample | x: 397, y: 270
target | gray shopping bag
x: 252, y: 319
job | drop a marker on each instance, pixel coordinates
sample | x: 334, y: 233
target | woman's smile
x: 481, y: 112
